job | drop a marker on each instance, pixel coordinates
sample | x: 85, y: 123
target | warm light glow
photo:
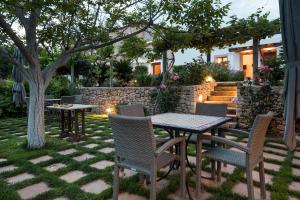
x: 200, y: 98
x: 108, y: 110
x: 269, y: 49
x: 209, y: 79
x: 247, y: 51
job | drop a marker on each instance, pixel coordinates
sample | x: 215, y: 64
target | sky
x: 240, y: 8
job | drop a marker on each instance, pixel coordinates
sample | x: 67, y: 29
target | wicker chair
x: 218, y: 110
x: 67, y: 100
x: 251, y: 155
x: 135, y: 149
x: 137, y: 110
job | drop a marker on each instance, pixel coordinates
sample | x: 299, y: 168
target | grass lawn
x: 80, y: 164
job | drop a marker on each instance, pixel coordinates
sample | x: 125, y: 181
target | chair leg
x: 250, y: 184
x: 141, y: 178
x: 219, y: 165
x: 213, y: 170
x: 262, y: 180
x: 116, y: 183
x: 183, y: 172
x: 153, y: 186
x: 198, y: 168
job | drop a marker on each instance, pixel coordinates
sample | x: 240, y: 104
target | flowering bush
x: 265, y: 75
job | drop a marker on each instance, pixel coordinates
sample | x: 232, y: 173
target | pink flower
x: 234, y: 100
x: 265, y: 68
x: 163, y: 86
x: 174, y: 77
x: 263, y: 82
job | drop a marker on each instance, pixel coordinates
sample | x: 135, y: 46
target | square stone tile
x: 277, y: 145
x: 54, y: 167
x: 61, y: 198
x: 293, y: 198
x: 126, y: 173
x: 106, y: 150
x: 67, y: 151
x: 72, y: 176
x: 109, y: 141
x: 40, y: 159
x: 98, y: 131
x: 203, y: 195
x: 280, y: 151
x: 241, y: 189
x: 294, y: 186
x: 3, y: 160
x: 102, y: 164
x: 228, y: 169
x: 208, y: 182
x: 268, y: 177
x: 127, y: 196
x: 273, y: 156
x: 33, y: 190
x: 95, y: 187
x: 296, y: 171
x: 83, y: 157
x: 296, y: 161
x: 8, y: 168
x: 96, y: 137
x: 19, y: 178
x: 297, y: 154
x: 271, y: 166
x: 91, y: 146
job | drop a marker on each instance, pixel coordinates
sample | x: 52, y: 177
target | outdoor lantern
x: 200, y: 98
x: 209, y: 79
x: 108, y: 110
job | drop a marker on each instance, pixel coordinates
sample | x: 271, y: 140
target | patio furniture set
x: 136, y: 147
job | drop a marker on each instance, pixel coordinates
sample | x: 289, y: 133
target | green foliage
x: 141, y: 76
x: 192, y: 73
x: 122, y: 72
x: 7, y: 107
x: 221, y: 73
x: 278, y: 66
x: 133, y: 48
x: 61, y: 86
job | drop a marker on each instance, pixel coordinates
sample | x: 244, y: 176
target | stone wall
x: 109, y: 97
x: 248, y: 104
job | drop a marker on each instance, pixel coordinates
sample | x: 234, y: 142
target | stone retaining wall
x: 246, y: 107
x: 109, y: 97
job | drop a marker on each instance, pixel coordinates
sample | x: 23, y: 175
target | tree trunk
x: 36, y: 125
x: 208, y: 57
x: 255, y: 55
x: 164, y: 65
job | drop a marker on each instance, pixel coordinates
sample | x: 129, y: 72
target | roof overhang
x: 239, y: 49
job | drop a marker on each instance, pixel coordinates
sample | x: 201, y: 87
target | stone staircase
x: 224, y: 92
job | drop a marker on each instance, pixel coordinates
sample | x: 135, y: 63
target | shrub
x: 276, y: 75
x: 61, y: 86
x: 123, y: 72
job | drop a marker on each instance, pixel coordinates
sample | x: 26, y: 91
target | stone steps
x: 228, y: 83
x: 220, y: 98
x: 229, y: 103
x: 225, y: 88
x: 224, y: 93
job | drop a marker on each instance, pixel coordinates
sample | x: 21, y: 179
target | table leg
x: 69, y: 121
x: 83, y: 122
x: 62, y: 122
x: 76, y: 135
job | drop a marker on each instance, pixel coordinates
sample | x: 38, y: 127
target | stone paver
x: 277, y: 144
x: 83, y: 157
x: 296, y: 161
x: 102, y: 164
x: 127, y: 196
x: 273, y: 156
x: 72, y: 176
x: 54, y: 167
x: 91, y: 146
x: 106, y: 150
x: 203, y: 195
x: 3, y: 160
x: 296, y: 171
x: 208, y: 182
x: 95, y: 187
x: 126, y: 173
x: 280, y: 151
x: 297, y: 154
x: 19, y: 178
x: 241, y: 189
x: 268, y: 177
x: 33, y: 190
x: 294, y: 186
x: 159, y: 185
x: 271, y: 166
x: 228, y: 169
x: 40, y: 159
x: 96, y: 137
x: 109, y: 141
x: 8, y: 168
x: 67, y: 151
x: 61, y: 198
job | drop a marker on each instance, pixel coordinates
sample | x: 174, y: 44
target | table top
x: 74, y: 107
x: 187, y: 122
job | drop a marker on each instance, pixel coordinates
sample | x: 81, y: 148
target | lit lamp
x: 200, y: 98
x: 209, y: 79
x: 108, y: 110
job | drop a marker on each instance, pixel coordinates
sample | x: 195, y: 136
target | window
x: 222, y: 60
x: 156, y: 68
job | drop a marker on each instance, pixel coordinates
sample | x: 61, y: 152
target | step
x: 231, y: 110
x: 224, y: 93
x: 220, y: 98
x: 225, y: 88
x: 228, y: 83
x: 229, y: 103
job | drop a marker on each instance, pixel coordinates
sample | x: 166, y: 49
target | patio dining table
x: 177, y: 124
x: 75, y: 134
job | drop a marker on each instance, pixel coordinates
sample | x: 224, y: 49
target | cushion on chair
x: 225, y: 155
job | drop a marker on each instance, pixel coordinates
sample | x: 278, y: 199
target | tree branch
x: 8, y: 30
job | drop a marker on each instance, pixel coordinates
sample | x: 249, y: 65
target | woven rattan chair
x: 135, y: 149
x: 67, y: 100
x: 251, y: 155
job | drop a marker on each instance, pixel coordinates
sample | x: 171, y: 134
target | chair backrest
x: 67, y: 99
x: 218, y: 110
x: 134, y: 141
x: 134, y: 110
x: 78, y: 99
x: 258, y: 135
x: 50, y: 96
